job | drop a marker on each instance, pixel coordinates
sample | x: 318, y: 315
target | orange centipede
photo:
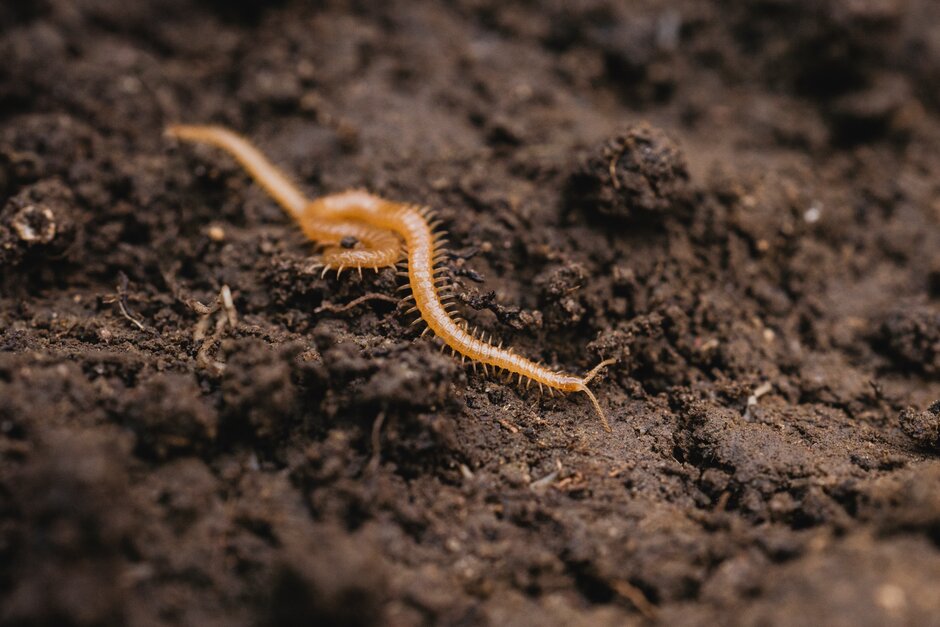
x: 386, y: 233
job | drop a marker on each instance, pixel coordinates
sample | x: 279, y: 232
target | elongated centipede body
x: 386, y: 232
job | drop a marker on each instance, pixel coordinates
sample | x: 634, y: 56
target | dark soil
x: 740, y: 201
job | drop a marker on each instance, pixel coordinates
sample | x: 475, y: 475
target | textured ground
x: 741, y: 204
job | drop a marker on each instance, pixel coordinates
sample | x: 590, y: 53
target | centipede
x: 392, y: 234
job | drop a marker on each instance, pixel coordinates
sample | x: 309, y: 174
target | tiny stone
x: 891, y: 597
x: 216, y: 233
x: 812, y: 215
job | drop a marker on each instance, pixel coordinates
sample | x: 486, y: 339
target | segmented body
x: 385, y: 232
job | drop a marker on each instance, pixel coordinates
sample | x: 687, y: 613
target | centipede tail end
x: 597, y: 407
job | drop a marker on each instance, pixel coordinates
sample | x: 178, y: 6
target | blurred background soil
x: 739, y: 201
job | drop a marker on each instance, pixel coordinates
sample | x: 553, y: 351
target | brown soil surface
x: 738, y: 200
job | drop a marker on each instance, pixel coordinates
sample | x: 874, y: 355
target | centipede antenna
x: 596, y: 370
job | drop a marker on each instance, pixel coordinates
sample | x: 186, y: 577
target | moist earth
x: 738, y: 201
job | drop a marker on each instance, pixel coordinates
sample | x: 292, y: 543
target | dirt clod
x: 640, y: 171
x: 169, y: 416
x: 39, y: 222
x: 912, y: 336
x: 922, y: 426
